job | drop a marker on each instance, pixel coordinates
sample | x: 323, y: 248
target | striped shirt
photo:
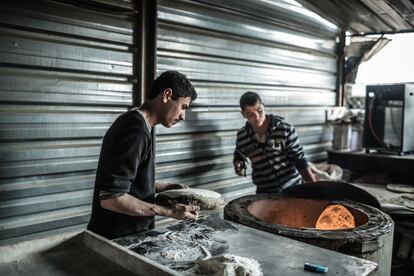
x: 275, y: 161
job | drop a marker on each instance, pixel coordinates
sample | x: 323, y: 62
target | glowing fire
x: 335, y: 217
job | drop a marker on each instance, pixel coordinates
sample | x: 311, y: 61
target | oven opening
x: 307, y: 213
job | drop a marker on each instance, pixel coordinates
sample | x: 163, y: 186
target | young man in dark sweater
x: 125, y: 186
x: 272, y: 145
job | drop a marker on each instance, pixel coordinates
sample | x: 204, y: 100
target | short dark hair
x: 180, y: 85
x: 249, y: 99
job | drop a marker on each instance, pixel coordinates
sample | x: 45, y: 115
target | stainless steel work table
x: 277, y: 255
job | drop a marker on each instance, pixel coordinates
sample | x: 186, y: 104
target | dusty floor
x: 64, y: 261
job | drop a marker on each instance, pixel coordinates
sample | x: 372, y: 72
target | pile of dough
x: 229, y: 265
x: 327, y: 171
x: 205, y: 199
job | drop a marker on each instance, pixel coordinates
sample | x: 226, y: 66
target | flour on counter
x: 183, y: 245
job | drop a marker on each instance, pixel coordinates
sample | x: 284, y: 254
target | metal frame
x: 340, y: 51
x: 146, y: 48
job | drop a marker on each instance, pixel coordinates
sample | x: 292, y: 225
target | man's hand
x: 132, y: 206
x: 176, y: 186
x: 182, y: 211
x: 160, y: 187
x: 307, y: 175
x: 239, y: 167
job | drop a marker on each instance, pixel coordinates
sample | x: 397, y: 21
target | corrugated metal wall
x: 227, y: 47
x: 64, y: 74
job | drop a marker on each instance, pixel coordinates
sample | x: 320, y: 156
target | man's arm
x: 131, y: 206
x: 160, y: 186
x: 239, y: 158
x: 296, y: 153
x: 307, y: 175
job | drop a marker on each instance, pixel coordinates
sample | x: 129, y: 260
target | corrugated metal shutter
x: 227, y: 47
x: 64, y: 74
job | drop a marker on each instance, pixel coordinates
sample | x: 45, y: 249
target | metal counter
x: 276, y: 255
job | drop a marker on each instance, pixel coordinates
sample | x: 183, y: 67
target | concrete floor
x: 63, y: 261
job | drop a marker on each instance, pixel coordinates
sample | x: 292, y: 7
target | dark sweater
x: 126, y: 165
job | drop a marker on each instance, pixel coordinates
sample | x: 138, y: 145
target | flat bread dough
x: 408, y: 200
x: 408, y: 203
x: 205, y: 199
x: 335, y: 217
x: 400, y: 188
x: 408, y: 196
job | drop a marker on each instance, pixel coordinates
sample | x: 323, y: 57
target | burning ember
x: 335, y: 217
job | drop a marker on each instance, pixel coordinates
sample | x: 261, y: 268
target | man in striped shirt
x: 272, y: 145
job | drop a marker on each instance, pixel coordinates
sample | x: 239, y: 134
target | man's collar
x: 274, y: 122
